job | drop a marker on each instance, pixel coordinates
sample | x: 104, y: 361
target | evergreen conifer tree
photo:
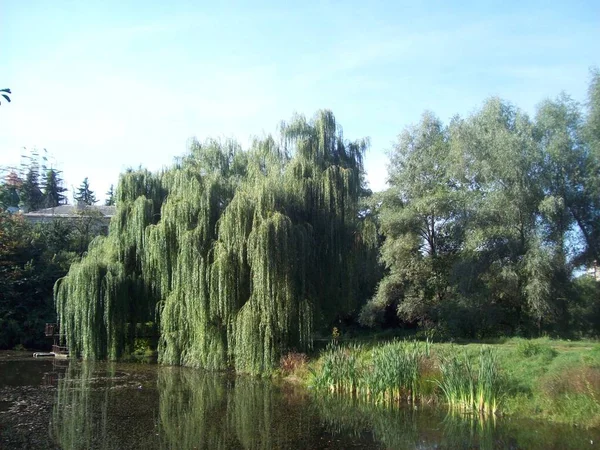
x: 85, y: 194
x: 31, y: 197
x: 110, y: 196
x: 53, y: 189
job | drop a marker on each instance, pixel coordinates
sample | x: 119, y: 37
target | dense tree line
x: 488, y: 218
x: 34, y: 256
x: 236, y: 256
x: 33, y: 186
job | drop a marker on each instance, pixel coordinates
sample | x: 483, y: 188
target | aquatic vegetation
x: 469, y: 389
x: 389, y: 374
x: 561, y: 382
x: 395, y: 372
x: 340, y: 371
x: 408, y: 372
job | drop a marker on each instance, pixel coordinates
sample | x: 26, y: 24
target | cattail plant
x: 468, y: 389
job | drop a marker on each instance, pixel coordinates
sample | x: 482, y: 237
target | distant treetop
x: 85, y: 194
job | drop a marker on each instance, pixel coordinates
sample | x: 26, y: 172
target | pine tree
x: 53, y: 189
x: 30, y: 195
x: 85, y: 194
x: 110, y: 196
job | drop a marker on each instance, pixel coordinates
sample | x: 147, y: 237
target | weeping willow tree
x: 236, y: 256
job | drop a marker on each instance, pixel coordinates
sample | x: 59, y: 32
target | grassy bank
x: 540, y: 378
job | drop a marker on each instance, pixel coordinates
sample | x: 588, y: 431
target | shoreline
x: 542, y: 379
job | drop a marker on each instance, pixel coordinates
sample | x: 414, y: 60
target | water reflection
x: 207, y: 412
x: 98, y: 406
x: 103, y: 406
x: 432, y: 428
x: 110, y: 406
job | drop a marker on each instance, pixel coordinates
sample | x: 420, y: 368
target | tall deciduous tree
x: 497, y: 148
x: 240, y: 254
x: 421, y: 222
x: 522, y: 201
x: 589, y: 219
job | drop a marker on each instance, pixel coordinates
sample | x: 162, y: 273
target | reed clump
x: 340, y: 370
x: 395, y: 373
x: 407, y: 372
x: 471, y: 388
x: 389, y: 374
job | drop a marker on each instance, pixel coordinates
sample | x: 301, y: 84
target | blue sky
x: 114, y: 84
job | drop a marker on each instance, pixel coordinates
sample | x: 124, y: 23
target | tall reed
x: 467, y: 389
x: 391, y: 375
x: 395, y: 373
x: 340, y: 371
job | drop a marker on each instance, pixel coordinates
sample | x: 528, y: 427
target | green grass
x: 557, y: 380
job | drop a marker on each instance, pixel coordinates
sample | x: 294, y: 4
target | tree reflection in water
x: 117, y: 406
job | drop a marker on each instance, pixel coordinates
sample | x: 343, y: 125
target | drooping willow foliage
x: 236, y: 255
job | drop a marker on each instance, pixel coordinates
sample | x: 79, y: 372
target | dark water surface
x: 73, y: 405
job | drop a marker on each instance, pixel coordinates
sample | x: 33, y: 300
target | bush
x: 529, y: 348
x: 293, y: 363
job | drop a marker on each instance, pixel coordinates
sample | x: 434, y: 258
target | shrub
x: 293, y: 363
x: 529, y: 348
x: 574, y: 395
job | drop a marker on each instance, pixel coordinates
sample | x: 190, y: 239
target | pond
x: 59, y: 404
